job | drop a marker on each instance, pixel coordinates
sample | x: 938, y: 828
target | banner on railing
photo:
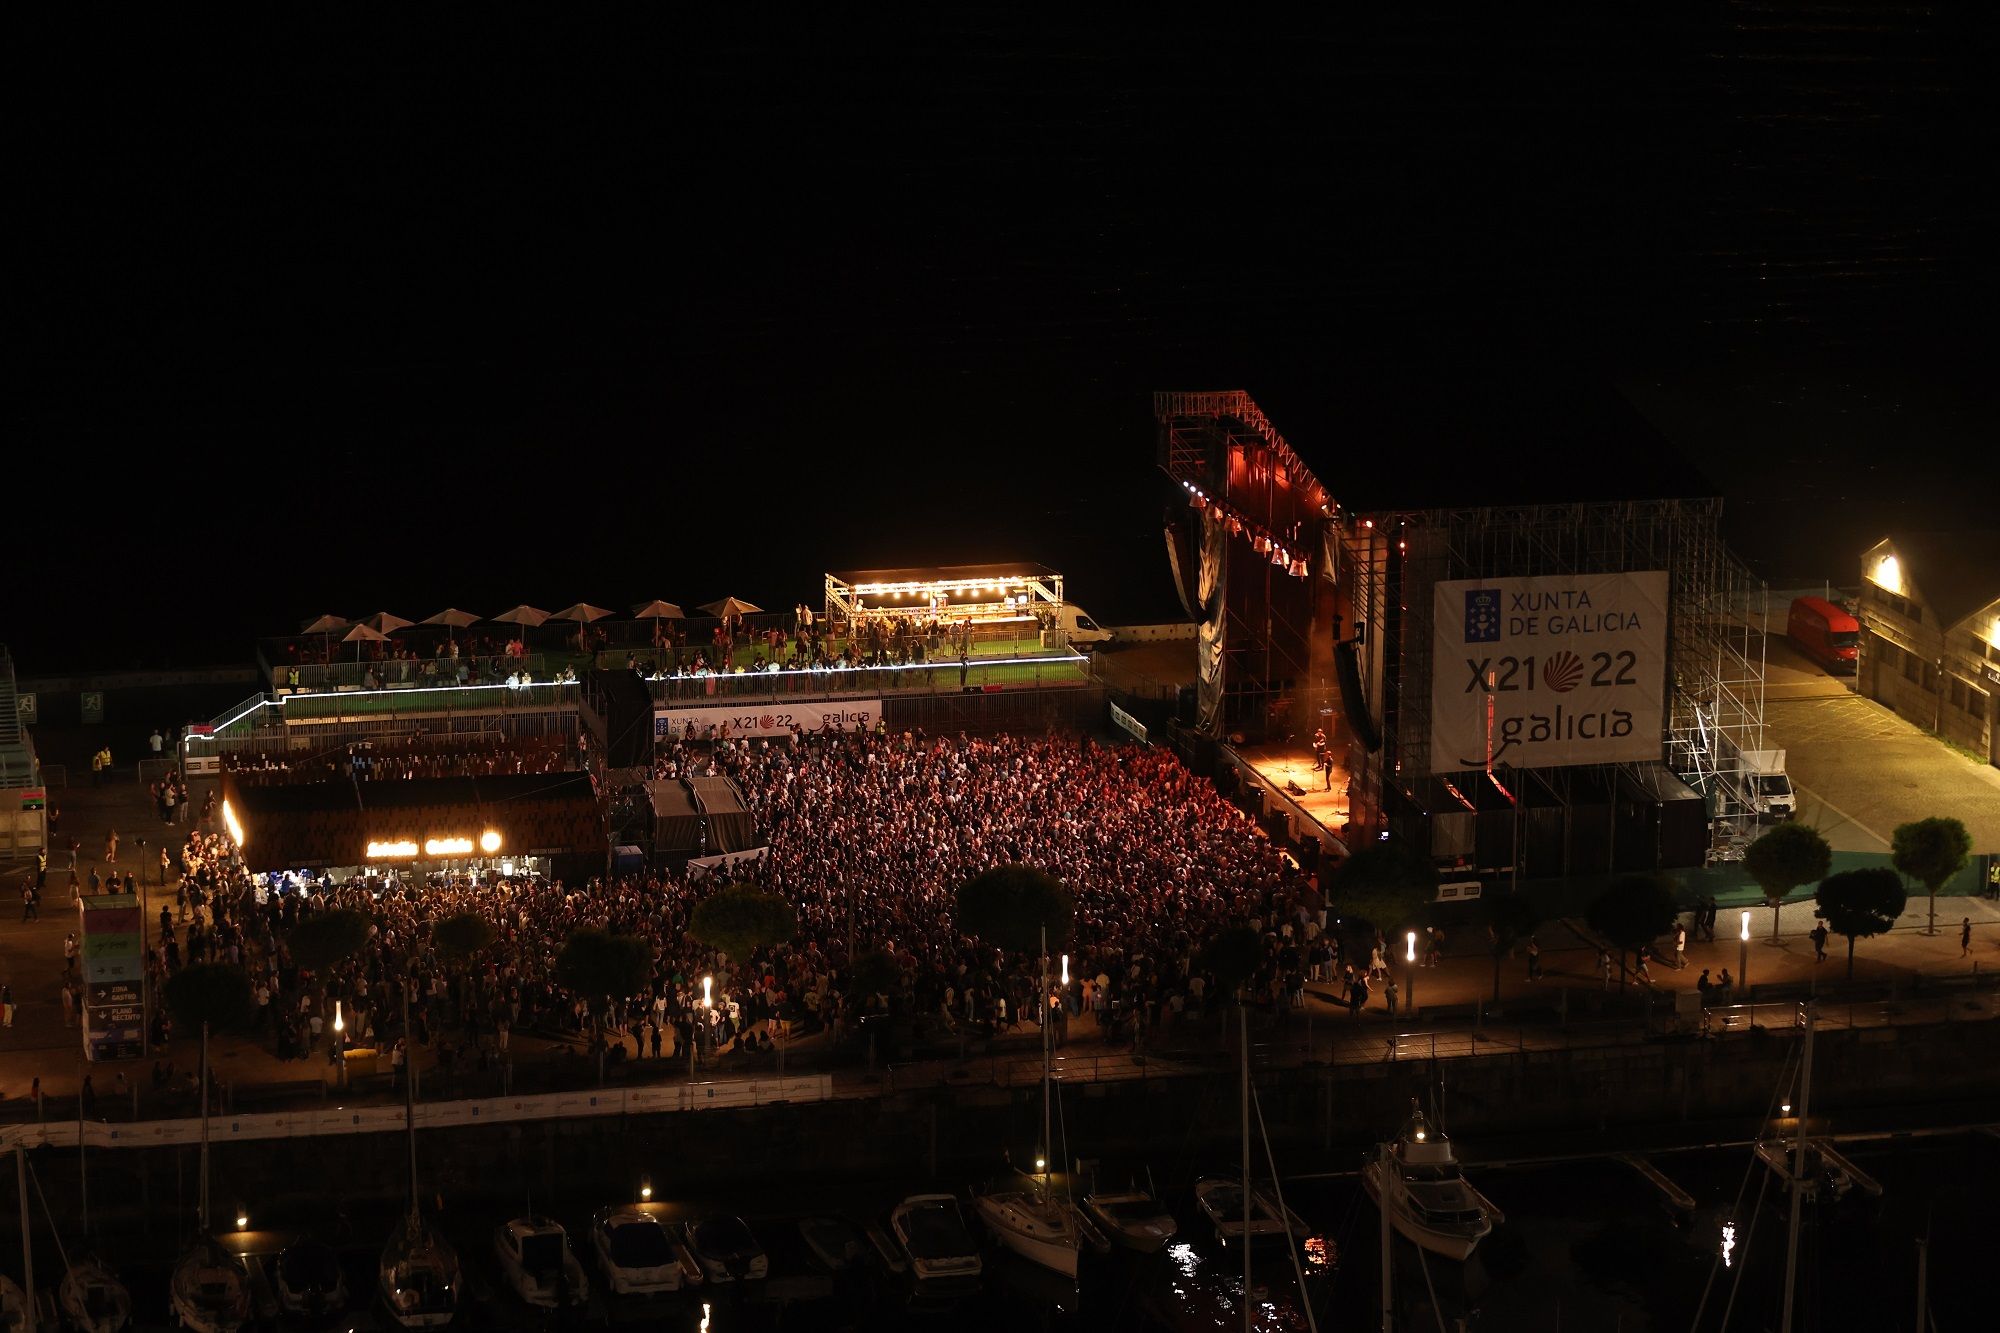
x: 329, y: 1120
x: 768, y: 719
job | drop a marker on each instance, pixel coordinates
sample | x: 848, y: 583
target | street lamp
x: 1743, y: 956
x: 340, y: 1042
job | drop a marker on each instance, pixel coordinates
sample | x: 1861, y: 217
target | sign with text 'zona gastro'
x: 1549, y: 671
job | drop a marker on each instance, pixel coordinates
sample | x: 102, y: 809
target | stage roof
x: 1444, y: 443
x: 1013, y: 569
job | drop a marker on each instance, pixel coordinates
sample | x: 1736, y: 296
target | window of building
x: 1913, y: 669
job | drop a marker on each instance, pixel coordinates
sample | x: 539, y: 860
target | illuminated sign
x: 406, y: 849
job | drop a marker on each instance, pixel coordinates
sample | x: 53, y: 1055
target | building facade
x: 1930, y: 641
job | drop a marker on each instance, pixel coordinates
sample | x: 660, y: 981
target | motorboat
x: 536, y: 1261
x: 1132, y: 1219
x: 835, y: 1245
x: 210, y: 1290
x: 933, y: 1238
x: 309, y: 1279
x: 14, y: 1313
x: 420, y: 1283
x: 93, y: 1297
x: 1032, y: 1225
x: 635, y: 1251
x: 1220, y: 1199
x: 726, y: 1250
x: 1416, y: 1182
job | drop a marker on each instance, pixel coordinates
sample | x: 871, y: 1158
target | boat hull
x: 1051, y: 1251
x: 1448, y: 1244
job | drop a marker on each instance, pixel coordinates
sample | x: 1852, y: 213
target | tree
x: 1009, y: 906
x: 461, y: 935
x: 1861, y: 903
x: 1232, y: 956
x: 1635, y: 910
x: 1789, y: 855
x: 1931, y: 851
x: 739, y: 920
x: 598, y: 965
x: 326, y: 938
x: 1510, y: 918
x: 1387, y: 884
x: 217, y: 994
x: 873, y: 973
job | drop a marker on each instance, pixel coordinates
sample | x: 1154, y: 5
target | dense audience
x: 869, y: 837
x: 434, y: 757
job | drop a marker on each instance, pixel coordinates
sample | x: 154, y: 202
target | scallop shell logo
x: 1562, y: 672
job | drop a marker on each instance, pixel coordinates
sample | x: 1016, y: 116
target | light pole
x: 1410, y: 973
x: 340, y: 1044
x: 1743, y: 957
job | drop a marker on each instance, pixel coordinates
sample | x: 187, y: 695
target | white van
x: 1074, y: 626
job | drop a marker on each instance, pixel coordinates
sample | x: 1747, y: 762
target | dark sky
x: 326, y: 320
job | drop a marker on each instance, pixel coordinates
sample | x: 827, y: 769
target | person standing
x: 1534, y: 959
x: 1819, y: 942
x: 1965, y: 937
x: 1389, y: 995
x: 1680, y: 947
x: 111, y: 847
x: 6, y: 1005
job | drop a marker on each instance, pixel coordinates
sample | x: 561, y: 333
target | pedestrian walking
x: 7, y: 1006
x: 1389, y: 996
x: 1680, y: 947
x: 1645, y: 957
x: 1819, y: 942
x: 1965, y: 937
x: 111, y: 848
x: 1604, y: 966
x: 1534, y: 960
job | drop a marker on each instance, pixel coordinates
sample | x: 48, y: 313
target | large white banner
x: 1574, y: 665
x: 768, y: 719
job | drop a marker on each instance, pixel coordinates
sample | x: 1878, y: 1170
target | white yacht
x: 727, y: 1250
x: 1416, y: 1182
x: 635, y: 1251
x: 309, y: 1279
x: 1034, y: 1223
x: 535, y: 1259
x: 210, y: 1291
x: 93, y: 1297
x: 419, y: 1275
x: 13, y: 1306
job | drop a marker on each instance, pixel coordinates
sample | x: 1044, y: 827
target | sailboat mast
x: 1243, y: 1025
x: 204, y: 1127
x: 1042, y: 1002
x: 409, y: 1094
x: 1798, y: 1174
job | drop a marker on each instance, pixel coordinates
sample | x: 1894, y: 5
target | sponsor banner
x: 202, y: 765
x: 768, y: 719
x: 707, y: 865
x: 1574, y: 667
x: 1128, y: 724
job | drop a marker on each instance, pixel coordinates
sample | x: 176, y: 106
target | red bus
x: 1825, y: 633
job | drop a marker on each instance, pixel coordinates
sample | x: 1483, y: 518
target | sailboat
x: 13, y: 1306
x: 419, y: 1266
x: 92, y: 1297
x: 1032, y: 1223
x: 210, y: 1290
x: 1416, y: 1181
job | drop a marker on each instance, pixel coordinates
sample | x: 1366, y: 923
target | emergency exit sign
x: 33, y: 798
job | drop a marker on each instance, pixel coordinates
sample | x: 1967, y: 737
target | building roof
x: 1955, y: 573
x: 1447, y: 442
x: 1006, y: 569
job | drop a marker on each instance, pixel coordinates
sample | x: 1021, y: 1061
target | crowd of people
x: 440, y: 757
x: 870, y: 836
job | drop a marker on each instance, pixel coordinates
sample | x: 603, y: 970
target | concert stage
x: 1286, y: 767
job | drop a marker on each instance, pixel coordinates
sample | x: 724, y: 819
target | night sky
x: 338, y: 320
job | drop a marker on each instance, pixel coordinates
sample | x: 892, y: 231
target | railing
x: 409, y: 673
x: 940, y: 677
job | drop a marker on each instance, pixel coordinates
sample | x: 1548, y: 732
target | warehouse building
x: 1930, y: 642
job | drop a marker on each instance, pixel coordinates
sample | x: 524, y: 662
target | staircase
x: 17, y: 757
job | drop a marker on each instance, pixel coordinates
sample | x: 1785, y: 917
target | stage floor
x: 1282, y: 765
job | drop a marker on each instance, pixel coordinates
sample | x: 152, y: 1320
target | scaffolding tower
x: 1715, y: 637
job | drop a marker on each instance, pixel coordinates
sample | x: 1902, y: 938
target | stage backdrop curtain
x: 1177, y: 540
x: 1213, y: 579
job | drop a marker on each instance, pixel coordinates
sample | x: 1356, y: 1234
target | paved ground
x: 1862, y: 770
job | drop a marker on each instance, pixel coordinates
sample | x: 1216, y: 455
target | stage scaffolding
x: 1390, y: 562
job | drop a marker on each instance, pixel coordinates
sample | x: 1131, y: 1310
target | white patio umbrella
x: 325, y: 627
x: 453, y: 621
x: 658, y: 610
x: 386, y: 623
x: 582, y: 611
x: 522, y: 615
x: 361, y: 634
x: 732, y: 606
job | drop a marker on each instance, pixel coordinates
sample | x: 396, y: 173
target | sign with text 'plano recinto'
x: 1574, y: 667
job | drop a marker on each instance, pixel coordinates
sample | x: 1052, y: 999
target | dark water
x: 1585, y: 1245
